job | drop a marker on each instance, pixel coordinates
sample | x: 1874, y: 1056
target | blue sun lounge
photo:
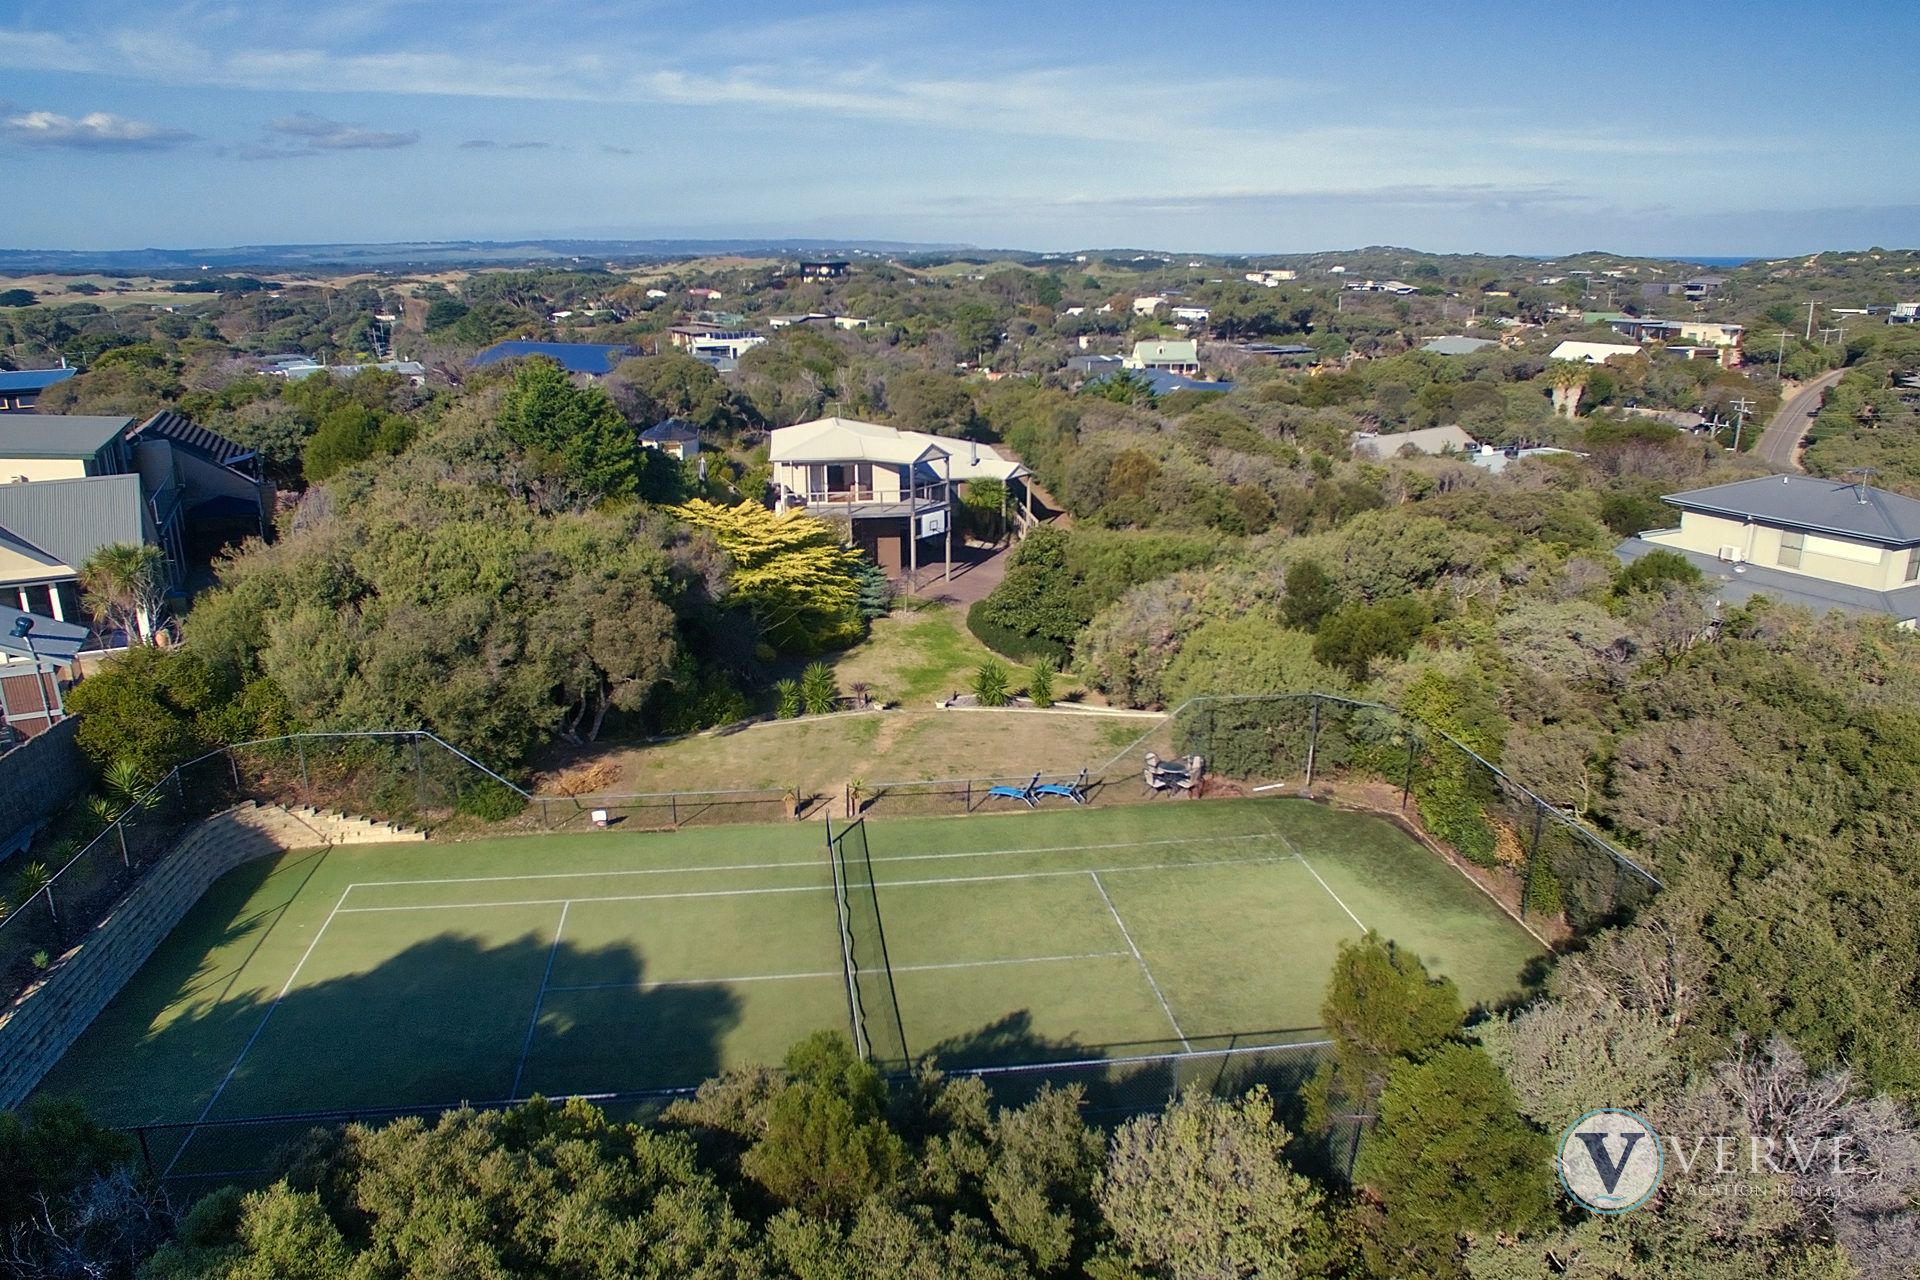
x: 1075, y: 791
x: 1025, y: 793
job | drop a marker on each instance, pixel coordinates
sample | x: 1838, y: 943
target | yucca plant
x: 102, y: 810
x: 125, y: 784
x: 1040, y: 683
x: 786, y: 699
x: 31, y: 879
x: 990, y: 683
x: 818, y: 691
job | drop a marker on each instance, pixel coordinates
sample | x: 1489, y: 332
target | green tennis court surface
x: 610, y: 962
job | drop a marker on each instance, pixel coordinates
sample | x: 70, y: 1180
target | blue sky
x: 1712, y: 128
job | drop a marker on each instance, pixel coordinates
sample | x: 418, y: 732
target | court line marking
x: 834, y: 973
x: 811, y: 864
x: 813, y: 888
x: 1158, y: 994
x: 266, y: 1017
x: 539, y: 1001
x: 1316, y: 875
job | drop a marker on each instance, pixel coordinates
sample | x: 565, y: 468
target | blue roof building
x: 595, y: 360
x: 20, y: 388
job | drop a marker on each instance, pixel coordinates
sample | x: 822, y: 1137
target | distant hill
x: 430, y: 253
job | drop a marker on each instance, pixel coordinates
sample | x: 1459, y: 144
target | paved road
x: 1780, y: 444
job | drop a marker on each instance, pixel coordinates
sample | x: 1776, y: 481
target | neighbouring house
x: 49, y: 529
x: 1285, y: 349
x: 1702, y: 287
x: 823, y: 270
x: 44, y: 446
x: 38, y: 657
x: 1148, y: 305
x: 789, y: 321
x: 703, y: 294
x: 851, y: 323
x: 1591, y: 352
x: 1165, y: 382
x: 21, y: 389
x: 1271, y: 279
x: 217, y: 484
x: 299, y: 368
x: 1820, y: 543
x: 1430, y: 440
x: 1181, y: 356
x: 587, y: 359
x: 1456, y: 345
x: 1495, y: 459
x: 1094, y: 366
x: 1190, y: 314
x: 674, y: 437
x: 1904, y: 313
x: 895, y: 489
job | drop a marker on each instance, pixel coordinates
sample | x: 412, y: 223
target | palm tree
x: 124, y: 585
x: 1569, y: 378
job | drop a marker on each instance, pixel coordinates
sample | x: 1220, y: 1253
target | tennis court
x: 615, y: 962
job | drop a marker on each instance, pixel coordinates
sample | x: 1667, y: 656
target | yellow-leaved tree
x: 800, y: 581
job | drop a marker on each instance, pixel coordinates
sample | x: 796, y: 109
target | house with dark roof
x: 1820, y: 543
x: 20, y: 389
x: 589, y: 359
x: 675, y: 437
x: 216, y: 483
x: 823, y: 270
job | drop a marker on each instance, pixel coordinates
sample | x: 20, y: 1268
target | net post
x: 1533, y: 854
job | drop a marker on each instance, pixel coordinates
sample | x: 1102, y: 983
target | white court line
x: 1157, y: 993
x: 812, y: 888
x: 1316, y: 875
x: 825, y: 973
x: 539, y: 1000
x: 807, y: 865
x: 247, y: 1048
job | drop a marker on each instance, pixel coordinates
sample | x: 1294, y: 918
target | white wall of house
x: 12, y: 469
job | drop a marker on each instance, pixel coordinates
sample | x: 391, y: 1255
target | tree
x: 990, y: 683
x: 827, y: 1145
x: 801, y: 582
x: 1039, y: 599
x: 1449, y: 1160
x: 147, y: 707
x: 819, y: 693
x: 351, y: 433
x: 124, y: 586
x: 17, y: 298
x: 1204, y: 1190
x: 1381, y: 1008
x: 1311, y: 595
x: 1246, y: 655
x: 574, y: 436
x: 1040, y: 683
x: 1355, y: 635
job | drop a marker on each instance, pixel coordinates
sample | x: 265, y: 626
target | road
x: 1780, y: 444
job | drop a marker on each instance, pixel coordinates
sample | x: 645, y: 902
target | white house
x: 1429, y: 440
x: 1191, y: 314
x: 1147, y: 306
x: 1181, y: 356
x: 894, y: 488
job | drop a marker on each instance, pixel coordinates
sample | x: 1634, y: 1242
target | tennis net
x: 878, y: 1031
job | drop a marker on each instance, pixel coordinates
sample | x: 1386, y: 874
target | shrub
x: 1009, y: 643
x: 990, y: 683
x: 1040, y: 683
x: 786, y: 699
x: 491, y: 801
x: 819, y: 694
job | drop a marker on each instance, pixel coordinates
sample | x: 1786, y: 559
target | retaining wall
x: 44, y: 1022
x: 39, y: 776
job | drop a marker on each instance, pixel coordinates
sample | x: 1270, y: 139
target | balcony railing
x: 860, y: 495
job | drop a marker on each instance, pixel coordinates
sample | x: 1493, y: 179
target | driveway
x: 1780, y: 444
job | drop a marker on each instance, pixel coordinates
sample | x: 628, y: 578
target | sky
x: 1716, y: 128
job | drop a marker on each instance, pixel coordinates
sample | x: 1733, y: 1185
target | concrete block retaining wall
x: 44, y: 1022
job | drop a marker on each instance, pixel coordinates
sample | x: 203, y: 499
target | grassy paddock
x: 417, y: 975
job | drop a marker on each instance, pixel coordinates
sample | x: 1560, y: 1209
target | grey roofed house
x: 1093, y: 364
x: 37, y: 435
x: 71, y: 519
x: 1736, y: 585
x: 1456, y: 345
x: 1811, y: 504
x: 1425, y: 440
x: 177, y: 428
x: 671, y: 430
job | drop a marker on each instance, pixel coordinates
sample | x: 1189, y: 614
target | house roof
x: 850, y: 440
x: 1166, y: 381
x: 575, y: 357
x: 1456, y: 346
x: 1801, y: 589
x: 1426, y: 440
x: 48, y: 435
x: 71, y: 519
x: 52, y: 641
x: 1812, y: 504
x: 178, y: 428
x: 1591, y: 352
x: 32, y: 379
x: 670, y: 430
x: 1168, y: 351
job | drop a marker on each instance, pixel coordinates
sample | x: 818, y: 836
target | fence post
x: 120, y: 829
x: 233, y: 767
x: 179, y: 785
x: 1413, y: 751
x: 146, y: 1152
x: 546, y: 823
x: 419, y: 780
x: 1533, y: 855
x: 969, y: 795
x: 306, y: 788
x: 1313, y: 741
x: 673, y: 806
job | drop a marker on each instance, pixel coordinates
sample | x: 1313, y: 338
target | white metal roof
x: 1591, y: 352
x: 850, y: 440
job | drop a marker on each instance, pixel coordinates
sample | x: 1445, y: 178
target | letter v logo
x: 1610, y: 1160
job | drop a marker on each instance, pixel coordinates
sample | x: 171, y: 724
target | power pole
x: 1741, y: 408
x: 1809, y: 320
x: 1780, y: 360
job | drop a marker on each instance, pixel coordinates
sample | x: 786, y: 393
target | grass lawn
x: 620, y: 961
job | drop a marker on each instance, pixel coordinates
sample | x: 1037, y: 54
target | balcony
x: 863, y: 502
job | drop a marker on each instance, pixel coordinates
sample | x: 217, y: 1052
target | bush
x: 1009, y: 643
x: 819, y: 693
x: 1040, y: 683
x: 786, y: 699
x: 990, y: 683
x: 490, y: 801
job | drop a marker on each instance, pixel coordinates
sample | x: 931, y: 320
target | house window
x: 1913, y: 565
x: 1791, y: 545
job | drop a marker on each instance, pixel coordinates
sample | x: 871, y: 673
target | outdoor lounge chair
x: 1075, y: 791
x: 1025, y: 793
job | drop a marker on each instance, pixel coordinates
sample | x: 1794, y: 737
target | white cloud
x: 323, y: 134
x: 95, y: 131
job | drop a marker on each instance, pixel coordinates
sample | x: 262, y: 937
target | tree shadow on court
x: 449, y: 1020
